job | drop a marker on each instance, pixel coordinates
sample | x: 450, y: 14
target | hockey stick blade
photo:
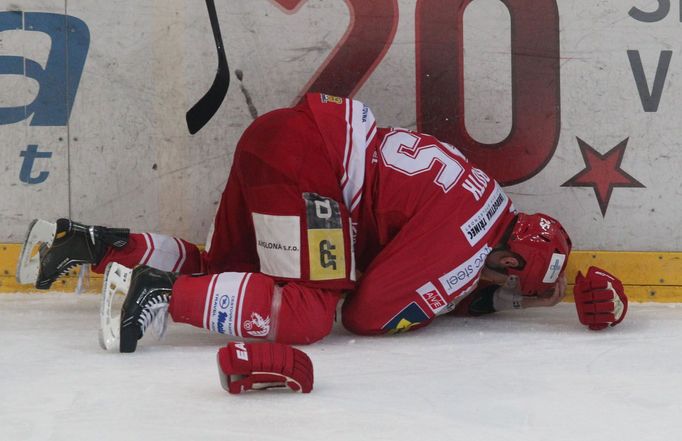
x: 116, y: 279
x: 208, y: 105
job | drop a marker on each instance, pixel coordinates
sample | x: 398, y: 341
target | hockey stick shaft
x: 208, y: 105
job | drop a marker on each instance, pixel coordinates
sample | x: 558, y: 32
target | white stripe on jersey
x: 360, y: 131
x: 347, y: 147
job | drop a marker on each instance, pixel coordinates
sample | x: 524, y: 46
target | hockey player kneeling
x: 599, y: 299
x: 321, y: 207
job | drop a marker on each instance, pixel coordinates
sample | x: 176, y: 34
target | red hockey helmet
x: 544, y: 245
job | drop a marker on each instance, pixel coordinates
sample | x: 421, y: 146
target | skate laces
x: 154, y: 315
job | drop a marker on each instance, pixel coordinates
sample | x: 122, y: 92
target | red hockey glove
x: 599, y: 299
x: 246, y: 366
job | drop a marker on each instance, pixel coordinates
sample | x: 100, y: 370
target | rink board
x: 572, y: 104
x: 647, y: 276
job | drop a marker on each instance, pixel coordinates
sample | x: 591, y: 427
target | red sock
x: 156, y: 250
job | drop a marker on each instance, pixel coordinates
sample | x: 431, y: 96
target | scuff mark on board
x: 247, y: 96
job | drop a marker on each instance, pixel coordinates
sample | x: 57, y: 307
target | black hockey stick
x: 208, y: 105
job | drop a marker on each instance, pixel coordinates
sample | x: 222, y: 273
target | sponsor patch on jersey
x: 410, y: 316
x: 554, y: 268
x: 326, y: 248
x: 432, y: 297
x: 480, y: 223
x: 330, y: 99
x: 465, y: 273
x: 278, y: 242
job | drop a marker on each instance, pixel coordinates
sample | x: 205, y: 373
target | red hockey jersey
x: 425, y: 218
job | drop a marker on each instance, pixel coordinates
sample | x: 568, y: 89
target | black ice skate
x: 62, y: 246
x: 146, y: 302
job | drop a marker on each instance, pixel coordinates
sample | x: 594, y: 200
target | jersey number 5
x: 401, y: 151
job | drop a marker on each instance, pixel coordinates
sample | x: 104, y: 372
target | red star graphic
x: 602, y: 172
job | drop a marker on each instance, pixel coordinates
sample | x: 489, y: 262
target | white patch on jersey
x: 465, y: 273
x: 278, y: 240
x: 432, y: 297
x: 480, y: 223
x: 554, y: 268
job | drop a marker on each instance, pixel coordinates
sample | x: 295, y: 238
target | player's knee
x: 359, y: 324
x: 297, y: 333
x: 364, y: 320
x: 305, y: 315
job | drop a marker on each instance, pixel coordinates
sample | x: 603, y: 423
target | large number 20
x: 401, y: 151
x: 440, y: 78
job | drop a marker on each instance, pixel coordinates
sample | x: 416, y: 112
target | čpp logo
x: 60, y: 75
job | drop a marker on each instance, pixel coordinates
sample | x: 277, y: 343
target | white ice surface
x: 528, y: 375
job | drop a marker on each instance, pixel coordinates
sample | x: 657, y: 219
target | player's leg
x: 394, y: 294
x: 243, y: 305
x: 231, y: 245
x: 252, y: 305
x: 66, y: 244
x: 159, y: 251
x: 373, y: 311
x: 232, y: 242
x: 282, y: 213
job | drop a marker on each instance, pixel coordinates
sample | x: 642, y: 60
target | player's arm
x: 508, y: 297
x: 553, y: 298
x: 494, y: 298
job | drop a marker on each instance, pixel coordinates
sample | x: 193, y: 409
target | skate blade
x: 116, y: 279
x: 39, y: 232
